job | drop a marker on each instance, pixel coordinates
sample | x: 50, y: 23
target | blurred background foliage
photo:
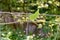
x: 49, y: 25
x: 45, y: 6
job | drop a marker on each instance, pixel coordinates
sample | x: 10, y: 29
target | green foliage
x: 51, y: 26
x: 32, y: 17
x: 46, y: 6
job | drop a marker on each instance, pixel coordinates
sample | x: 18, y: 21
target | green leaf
x: 32, y: 17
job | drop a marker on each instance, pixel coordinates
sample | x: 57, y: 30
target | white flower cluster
x: 43, y: 5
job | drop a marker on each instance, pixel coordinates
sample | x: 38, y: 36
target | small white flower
x: 18, y: 8
x: 50, y: 2
x: 39, y: 34
x: 28, y: 37
x: 42, y: 5
x: 21, y: 35
x: 46, y: 5
x: 3, y: 34
x: 20, y: 1
x: 33, y: 35
x: 9, y: 32
x: 52, y: 29
x: 41, y: 16
x: 40, y: 26
x: 39, y: 6
x: 58, y: 4
x: 24, y: 31
x: 19, y: 32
